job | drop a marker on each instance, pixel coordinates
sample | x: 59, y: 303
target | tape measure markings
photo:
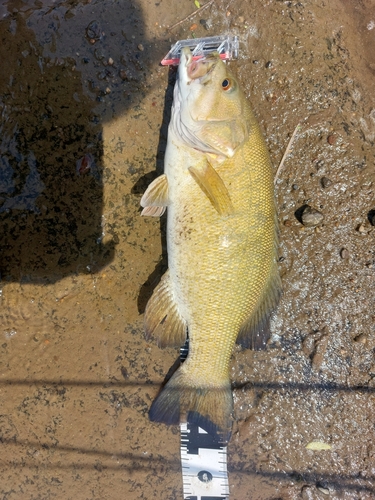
x: 204, y: 465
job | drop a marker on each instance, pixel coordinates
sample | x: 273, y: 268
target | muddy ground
x: 84, y: 109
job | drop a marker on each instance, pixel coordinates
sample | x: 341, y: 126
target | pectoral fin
x: 155, y: 198
x: 213, y: 187
x: 153, y: 211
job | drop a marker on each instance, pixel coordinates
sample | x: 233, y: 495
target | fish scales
x: 222, y: 282
x: 228, y: 267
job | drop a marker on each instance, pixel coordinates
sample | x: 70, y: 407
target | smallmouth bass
x: 222, y: 283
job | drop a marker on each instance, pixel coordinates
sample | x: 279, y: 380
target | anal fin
x: 162, y: 318
x: 155, y: 199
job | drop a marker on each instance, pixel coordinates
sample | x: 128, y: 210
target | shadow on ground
x: 65, y: 67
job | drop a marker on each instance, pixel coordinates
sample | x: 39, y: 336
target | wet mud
x: 84, y: 112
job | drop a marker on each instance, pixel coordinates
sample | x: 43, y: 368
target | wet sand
x: 84, y: 113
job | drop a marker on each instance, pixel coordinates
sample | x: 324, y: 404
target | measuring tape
x: 204, y: 465
x: 203, y: 460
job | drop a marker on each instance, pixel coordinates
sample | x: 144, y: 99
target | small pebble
x: 140, y: 47
x: 318, y: 446
x: 287, y: 223
x: 325, y: 182
x: 102, y: 75
x: 361, y: 229
x: 205, y: 24
x: 99, y: 55
x: 268, y: 64
x: 320, y: 349
x: 83, y: 165
x: 308, y: 345
x: 123, y: 75
x: 361, y: 337
x: 325, y: 491
x: 344, y: 253
x: 93, y: 31
x: 331, y: 139
x: 110, y: 61
x: 319, y: 164
x: 311, y: 217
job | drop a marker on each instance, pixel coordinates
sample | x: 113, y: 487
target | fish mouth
x: 197, y: 68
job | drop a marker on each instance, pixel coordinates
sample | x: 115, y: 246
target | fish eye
x: 226, y: 84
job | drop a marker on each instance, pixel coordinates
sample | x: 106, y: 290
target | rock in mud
x: 315, y: 346
x: 317, y: 356
x: 93, y: 31
x: 311, y: 492
x: 308, y: 345
x: 311, y: 217
x: 206, y: 24
x: 325, y: 182
x: 361, y: 229
x: 331, y: 139
x: 123, y: 74
x: 344, y: 253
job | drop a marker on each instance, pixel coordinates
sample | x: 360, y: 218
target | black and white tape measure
x: 203, y: 460
x: 204, y: 465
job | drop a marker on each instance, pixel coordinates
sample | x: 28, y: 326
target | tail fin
x: 207, y: 406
